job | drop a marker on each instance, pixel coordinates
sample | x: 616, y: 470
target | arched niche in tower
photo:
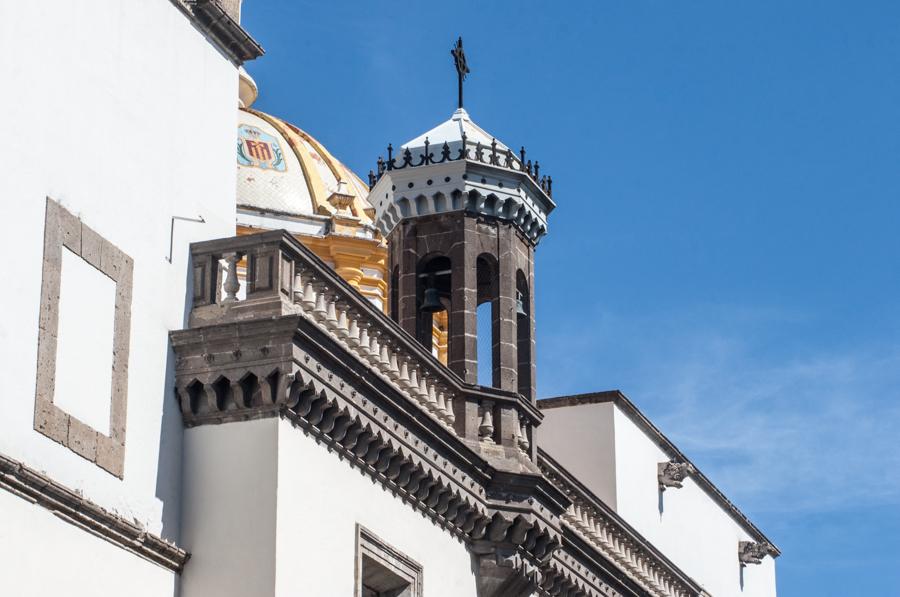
x: 523, y: 334
x: 433, y: 287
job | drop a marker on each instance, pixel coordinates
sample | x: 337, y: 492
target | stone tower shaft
x: 464, y: 227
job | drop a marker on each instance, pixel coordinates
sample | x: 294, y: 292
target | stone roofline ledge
x: 307, y: 347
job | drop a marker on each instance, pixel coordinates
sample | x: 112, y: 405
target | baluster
x: 523, y: 435
x: 309, y: 296
x: 364, y: 339
x: 448, y: 408
x: 394, y: 368
x: 384, y: 359
x: 413, y: 386
x: 331, y: 319
x: 440, y: 407
x: 404, y: 374
x: 298, y: 287
x: 343, y: 328
x: 486, y: 427
x: 424, y: 396
x: 232, y: 284
x: 353, y: 332
x: 321, y: 310
x: 374, y: 347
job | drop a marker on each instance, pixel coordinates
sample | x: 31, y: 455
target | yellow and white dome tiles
x: 282, y: 170
x: 288, y: 180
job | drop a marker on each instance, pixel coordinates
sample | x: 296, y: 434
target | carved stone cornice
x: 751, y: 552
x: 222, y: 29
x: 75, y: 509
x: 593, y: 523
x: 291, y: 367
x: 672, y: 473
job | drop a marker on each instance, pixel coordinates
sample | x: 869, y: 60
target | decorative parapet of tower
x: 474, y: 172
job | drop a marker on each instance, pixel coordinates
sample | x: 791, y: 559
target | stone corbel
x: 672, y: 473
x: 503, y: 572
x: 751, y: 552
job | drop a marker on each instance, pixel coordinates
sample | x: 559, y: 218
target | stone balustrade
x: 282, y: 277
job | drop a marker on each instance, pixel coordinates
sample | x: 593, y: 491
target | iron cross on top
x: 462, y: 68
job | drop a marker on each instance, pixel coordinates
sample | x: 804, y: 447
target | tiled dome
x: 283, y: 170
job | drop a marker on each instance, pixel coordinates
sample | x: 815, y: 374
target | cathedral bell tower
x: 463, y: 214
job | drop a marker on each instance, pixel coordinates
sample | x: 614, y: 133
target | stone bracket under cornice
x: 753, y: 552
x: 672, y: 473
x: 222, y: 30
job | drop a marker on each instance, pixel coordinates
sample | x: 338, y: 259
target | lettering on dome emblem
x: 259, y: 149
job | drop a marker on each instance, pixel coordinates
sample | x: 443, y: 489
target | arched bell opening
x: 523, y: 335
x: 487, y: 320
x: 433, y: 287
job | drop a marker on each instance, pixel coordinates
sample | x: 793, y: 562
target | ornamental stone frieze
x: 672, y: 473
x: 752, y: 552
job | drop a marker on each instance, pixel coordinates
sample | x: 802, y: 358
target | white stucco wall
x: 582, y: 439
x: 41, y: 556
x: 229, y: 505
x: 268, y: 511
x: 124, y: 113
x: 686, y: 524
x: 320, y: 501
x: 602, y: 446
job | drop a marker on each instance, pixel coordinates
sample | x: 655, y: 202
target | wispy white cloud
x: 778, y: 429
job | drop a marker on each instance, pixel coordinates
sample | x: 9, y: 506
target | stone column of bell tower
x: 462, y: 230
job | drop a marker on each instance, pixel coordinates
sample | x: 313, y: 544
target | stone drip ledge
x: 69, y: 505
x: 219, y: 23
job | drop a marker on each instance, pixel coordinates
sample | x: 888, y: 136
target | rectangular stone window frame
x: 374, y: 553
x: 63, y: 229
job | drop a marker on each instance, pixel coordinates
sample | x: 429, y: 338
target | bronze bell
x: 520, y: 305
x: 432, y: 301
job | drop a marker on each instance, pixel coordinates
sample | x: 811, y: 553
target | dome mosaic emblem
x: 259, y: 149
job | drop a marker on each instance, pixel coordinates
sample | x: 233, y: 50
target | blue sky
x: 726, y: 246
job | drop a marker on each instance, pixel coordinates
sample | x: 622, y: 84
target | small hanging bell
x: 432, y: 301
x: 520, y: 305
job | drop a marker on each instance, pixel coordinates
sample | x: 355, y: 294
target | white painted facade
x: 123, y: 112
x: 603, y: 445
x: 295, y: 506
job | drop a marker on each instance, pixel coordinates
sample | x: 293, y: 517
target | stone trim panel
x: 369, y: 544
x: 37, y: 488
x: 63, y: 229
